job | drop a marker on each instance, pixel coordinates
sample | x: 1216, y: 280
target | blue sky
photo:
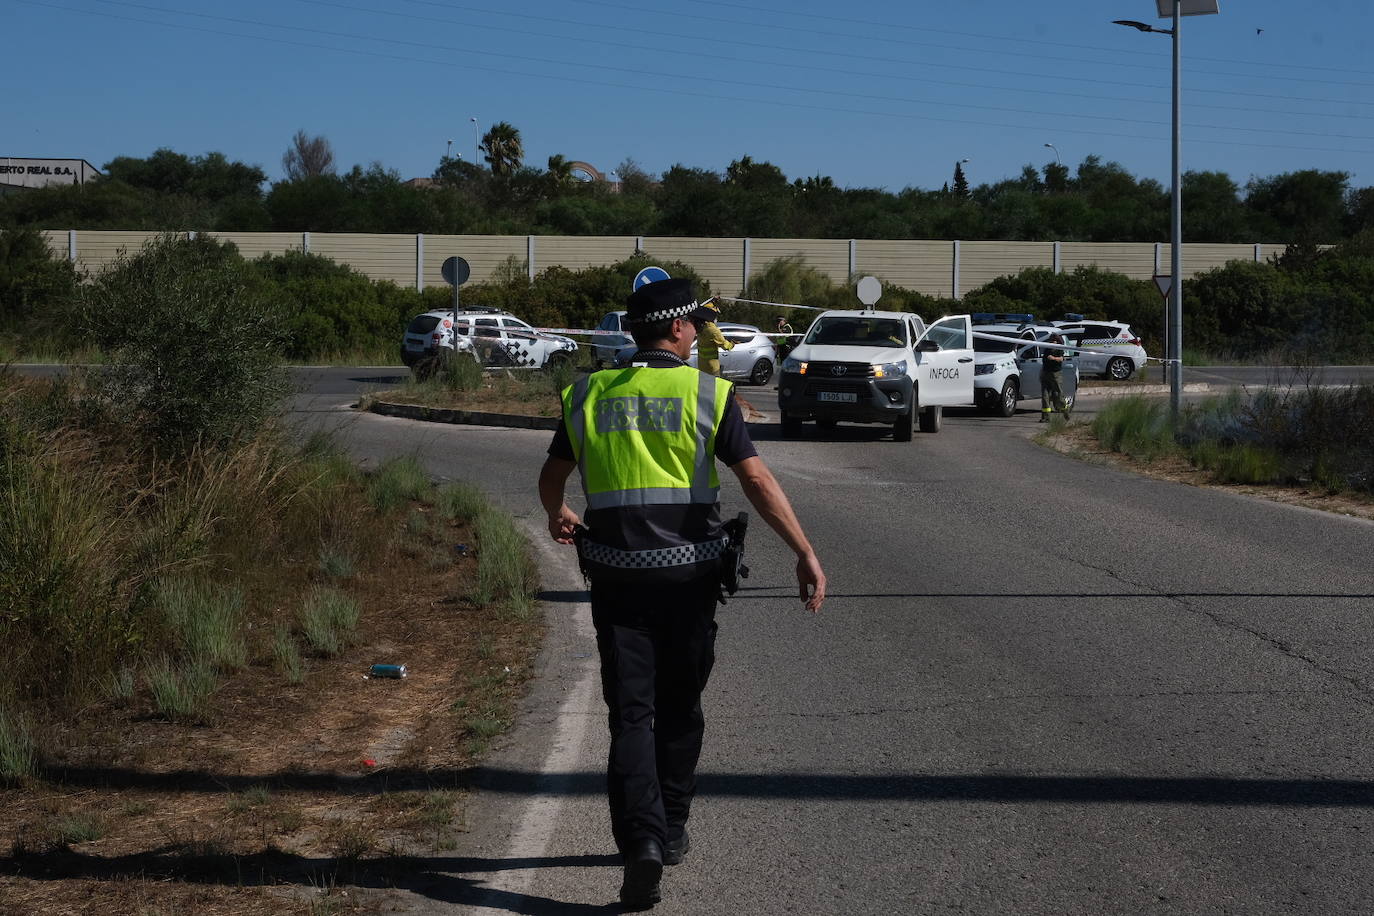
x: 873, y: 93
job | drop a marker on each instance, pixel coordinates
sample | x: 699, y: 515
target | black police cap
x: 665, y: 299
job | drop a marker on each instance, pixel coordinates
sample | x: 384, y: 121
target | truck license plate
x: 844, y: 397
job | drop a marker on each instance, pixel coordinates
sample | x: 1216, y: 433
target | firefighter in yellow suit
x: 709, y: 344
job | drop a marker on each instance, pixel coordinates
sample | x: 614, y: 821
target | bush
x: 18, y: 756
x: 328, y: 619
x: 396, y: 481
x: 37, y: 290
x: 193, y: 344
x: 332, y: 309
x: 1136, y: 426
x: 182, y: 690
x: 205, y: 619
x: 505, y: 572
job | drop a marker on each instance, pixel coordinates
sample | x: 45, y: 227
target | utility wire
x: 700, y: 55
x: 698, y: 78
x: 562, y: 78
x: 771, y: 11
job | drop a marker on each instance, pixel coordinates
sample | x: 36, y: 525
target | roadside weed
x: 182, y: 691
x: 395, y: 482
x: 328, y: 619
x: 206, y: 619
x: 18, y: 757
x: 461, y: 502
x: 505, y: 571
x: 335, y: 562
x: 76, y: 828
x: 288, y: 655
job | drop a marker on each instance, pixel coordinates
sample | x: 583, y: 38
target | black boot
x: 643, y: 869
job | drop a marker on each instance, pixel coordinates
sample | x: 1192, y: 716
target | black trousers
x: 657, y: 646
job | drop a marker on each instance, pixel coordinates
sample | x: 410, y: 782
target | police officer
x: 645, y: 440
x: 1051, y: 394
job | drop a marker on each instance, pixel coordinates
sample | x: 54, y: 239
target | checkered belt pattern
x: 658, y: 558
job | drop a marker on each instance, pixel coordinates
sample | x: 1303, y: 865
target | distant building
x: 17, y: 173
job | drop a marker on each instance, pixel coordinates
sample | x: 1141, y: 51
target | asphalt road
x: 1039, y: 687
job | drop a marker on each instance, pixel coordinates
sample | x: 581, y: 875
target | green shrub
x: 397, y: 481
x: 328, y: 619
x: 506, y: 574
x: 182, y: 690
x: 1136, y: 426
x: 77, y: 828
x: 459, y: 502
x: 460, y: 372
x: 335, y: 562
x: 37, y: 291
x: 193, y: 344
x: 287, y: 655
x: 18, y: 756
x: 205, y: 619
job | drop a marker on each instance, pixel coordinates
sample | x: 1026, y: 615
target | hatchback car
x: 1109, y: 348
x: 753, y: 358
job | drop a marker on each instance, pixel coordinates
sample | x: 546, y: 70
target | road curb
x: 467, y: 417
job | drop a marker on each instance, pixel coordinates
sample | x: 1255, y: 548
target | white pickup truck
x: 867, y: 366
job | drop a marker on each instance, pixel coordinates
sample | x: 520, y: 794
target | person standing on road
x: 645, y: 440
x: 711, y: 341
x: 1051, y: 393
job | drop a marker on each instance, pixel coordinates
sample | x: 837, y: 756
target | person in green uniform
x: 1051, y: 393
x: 709, y: 344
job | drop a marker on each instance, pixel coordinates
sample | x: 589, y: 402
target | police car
x: 1006, y: 365
x: 614, y: 337
x: 496, y: 339
x: 1110, y: 349
x: 877, y: 367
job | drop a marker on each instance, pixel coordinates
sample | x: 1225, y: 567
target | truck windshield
x: 857, y: 331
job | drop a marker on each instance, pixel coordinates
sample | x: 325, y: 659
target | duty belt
x: 657, y: 558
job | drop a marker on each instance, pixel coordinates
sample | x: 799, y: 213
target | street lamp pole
x: 1176, y: 235
x: 476, y: 145
x: 1057, y: 160
x: 1175, y: 9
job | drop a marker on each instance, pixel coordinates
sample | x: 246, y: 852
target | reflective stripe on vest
x: 652, y: 432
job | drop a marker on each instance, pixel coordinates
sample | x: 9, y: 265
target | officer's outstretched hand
x: 562, y: 525
x: 810, y: 582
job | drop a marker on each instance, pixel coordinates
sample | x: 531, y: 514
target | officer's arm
x: 766, y: 496
x: 553, y: 477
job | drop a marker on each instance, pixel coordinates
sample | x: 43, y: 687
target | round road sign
x: 649, y: 275
x: 456, y: 271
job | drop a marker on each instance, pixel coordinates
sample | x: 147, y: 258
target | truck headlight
x: 793, y: 365
x: 890, y: 370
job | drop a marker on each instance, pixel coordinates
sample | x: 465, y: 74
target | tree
x: 1306, y: 207
x: 307, y: 157
x: 960, y: 182
x: 560, y: 171
x: 633, y: 178
x: 502, y: 147
x: 212, y: 177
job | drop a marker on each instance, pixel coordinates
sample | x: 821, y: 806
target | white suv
x: 877, y: 367
x: 1006, y: 369
x: 495, y: 338
x: 1110, y: 349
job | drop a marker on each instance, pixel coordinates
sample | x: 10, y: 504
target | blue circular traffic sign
x: 649, y: 275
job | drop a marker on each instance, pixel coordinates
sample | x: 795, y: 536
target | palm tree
x: 560, y: 169
x: 503, y: 149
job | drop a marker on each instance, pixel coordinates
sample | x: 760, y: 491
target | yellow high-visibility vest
x: 644, y: 436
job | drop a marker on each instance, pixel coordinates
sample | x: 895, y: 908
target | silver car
x: 1109, y: 348
x: 753, y: 358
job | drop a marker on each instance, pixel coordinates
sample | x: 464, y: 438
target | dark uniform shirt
x: 1052, y: 365
x: 637, y: 528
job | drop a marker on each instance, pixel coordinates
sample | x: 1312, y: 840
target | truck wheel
x: 903, y: 426
x: 930, y: 419
x: 791, y: 427
x: 1120, y: 368
x: 1011, y: 393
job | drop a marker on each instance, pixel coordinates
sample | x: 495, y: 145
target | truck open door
x: 944, y: 361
